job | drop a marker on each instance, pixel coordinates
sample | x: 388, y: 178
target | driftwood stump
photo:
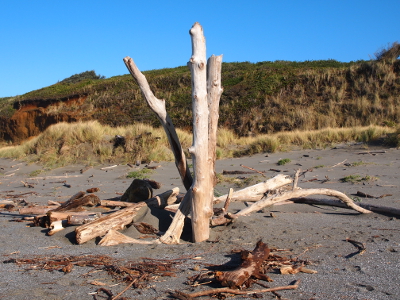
x: 251, y: 266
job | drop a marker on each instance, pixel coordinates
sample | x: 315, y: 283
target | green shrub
x: 284, y: 161
x: 140, y: 174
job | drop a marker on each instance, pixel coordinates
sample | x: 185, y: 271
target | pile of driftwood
x: 95, y: 217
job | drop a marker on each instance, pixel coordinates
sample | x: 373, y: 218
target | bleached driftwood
x: 55, y: 227
x: 214, y: 92
x: 75, y: 220
x: 206, y: 94
x: 257, y: 191
x: 117, y: 221
x: 300, y: 193
x: 53, y: 216
x: 158, y: 107
x: 113, y: 203
x: 372, y: 207
x: 202, y: 186
x: 114, y: 237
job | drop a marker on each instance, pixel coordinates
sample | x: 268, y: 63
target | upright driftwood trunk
x: 206, y: 92
x: 202, y: 186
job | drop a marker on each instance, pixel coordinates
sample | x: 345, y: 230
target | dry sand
x: 314, y: 233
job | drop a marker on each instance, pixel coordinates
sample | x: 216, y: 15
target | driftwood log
x: 250, y: 267
x: 79, y: 200
x: 371, y: 207
x: 53, y: 216
x: 114, y: 237
x: 119, y: 219
x: 158, y: 107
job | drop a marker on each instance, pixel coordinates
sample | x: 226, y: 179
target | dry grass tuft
x: 92, y: 143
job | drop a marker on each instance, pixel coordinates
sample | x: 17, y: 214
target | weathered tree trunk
x: 205, y: 95
x: 53, y: 216
x: 203, y: 178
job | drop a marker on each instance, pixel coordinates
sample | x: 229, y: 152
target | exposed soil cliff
x: 34, y: 116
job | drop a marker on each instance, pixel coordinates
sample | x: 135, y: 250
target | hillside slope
x: 263, y: 97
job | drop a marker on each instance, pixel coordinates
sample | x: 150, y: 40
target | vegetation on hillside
x: 92, y: 143
x: 258, y: 98
x: 87, y: 75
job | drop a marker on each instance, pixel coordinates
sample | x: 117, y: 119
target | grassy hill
x: 262, y: 97
x: 258, y: 98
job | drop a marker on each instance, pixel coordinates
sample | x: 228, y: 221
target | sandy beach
x: 315, y: 234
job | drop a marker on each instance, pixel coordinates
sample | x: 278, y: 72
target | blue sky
x: 43, y: 42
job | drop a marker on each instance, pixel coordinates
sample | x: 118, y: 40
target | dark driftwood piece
x: 251, y: 266
x: 139, y: 190
x: 88, y: 200
x: 225, y: 172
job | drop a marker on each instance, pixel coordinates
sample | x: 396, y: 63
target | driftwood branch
x: 117, y: 220
x: 300, y: 193
x: 214, y: 92
x: 158, y: 107
x: 371, y: 207
x: 257, y: 191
